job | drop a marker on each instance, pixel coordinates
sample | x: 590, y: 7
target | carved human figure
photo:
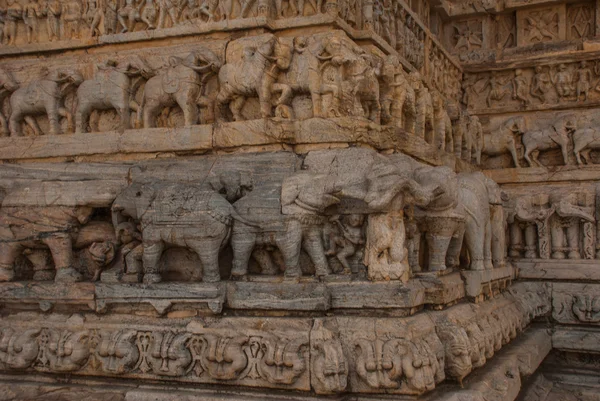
x: 583, y: 81
x: 475, y: 129
x: 14, y: 12
x: 110, y: 16
x: 328, y: 362
x: 521, y: 89
x: 556, y: 135
x: 562, y: 81
x: 43, y: 96
x: 31, y: 13
x: 93, y: 15
x: 167, y: 10
x: 131, y: 252
x: 71, y: 15
x: 497, y: 89
x: 425, y: 119
x: 213, y: 10
x: 443, y: 138
x: 189, y: 10
x: 398, y: 99
x: 540, y: 83
x: 129, y: 14
x: 53, y: 12
x: 348, y: 238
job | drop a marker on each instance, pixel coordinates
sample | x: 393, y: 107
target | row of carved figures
x: 150, y: 216
x: 340, y: 78
x: 69, y: 19
x: 565, y: 133
x: 534, y: 86
x: 553, y: 226
x: 411, y: 364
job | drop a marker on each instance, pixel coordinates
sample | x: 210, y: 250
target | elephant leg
x: 151, y: 258
x: 264, y: 260
x: 14, y: 123
x: 586, y: 155
x: 313, y: 245
x: 9, y: 251
x: 475, y: 240
x: 124, y: 117
x: 526, y: 155
x: 63, y: 112
x: 61, y: 248
x: 414, y: 248
x: 187, y: 102
x: 534, y: 157
x: 573, y: 241
x: 290, y: 244
x: 454, y: 248
x: 516, y: 240
x: 208, y: 252
x: 81, y: 117
x: 150, y: 113
x: 513, y: 152
x: 316, y: 100
x: 437, y: 247
x: 565, y: 154
x: 4, y: 126
x: 236, y: 106
x: 242, y: 244
x: 32, y: 123
x: 487, y: 249
x: 53, y: 122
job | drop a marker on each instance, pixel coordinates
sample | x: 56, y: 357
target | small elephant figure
x: 54, y: 227
x: 181, y: 83
x: 45, y: 95
x: 111, y: 88
x: 177, y: 214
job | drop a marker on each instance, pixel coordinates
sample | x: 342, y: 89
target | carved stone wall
x: 297, y: 199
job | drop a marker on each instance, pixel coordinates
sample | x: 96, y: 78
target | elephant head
x: 133, y: 201
x: 233, y: 185
x: 309, y: 193
x: 203, y: 61
x: 68, y: 80
x: 7, y: 83
x: 386, y: 182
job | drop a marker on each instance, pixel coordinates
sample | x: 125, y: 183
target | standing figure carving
x: 14, y: 12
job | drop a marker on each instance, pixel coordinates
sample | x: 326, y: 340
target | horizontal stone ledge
x: 552, y: 269
x: 304, y: 135
x: 579, y: 339
x: 198, y: 137
x: 590, y: 172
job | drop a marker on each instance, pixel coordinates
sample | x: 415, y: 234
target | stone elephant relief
x: 295, y: 224
x: 460, y: 212
x: 254, y: 75
x: 8, y: 85
x: 113, y: 87
x: 180, y: 83
x: 555, y: 136
x: 502, y: 140
x: 177, y: 214
x: 54, y: 227
x: 43, y: 96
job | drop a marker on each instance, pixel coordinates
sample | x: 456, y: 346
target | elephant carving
x: 113, y: 87
x: 54, y: 227
x: 502, y: 140
x: 43, y: 96
x: 254, y: 75
x: 294, y: 225
x: 177, y: 214
x: 460, y: 212
x: 180, y: 83
x: 555, y: 136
